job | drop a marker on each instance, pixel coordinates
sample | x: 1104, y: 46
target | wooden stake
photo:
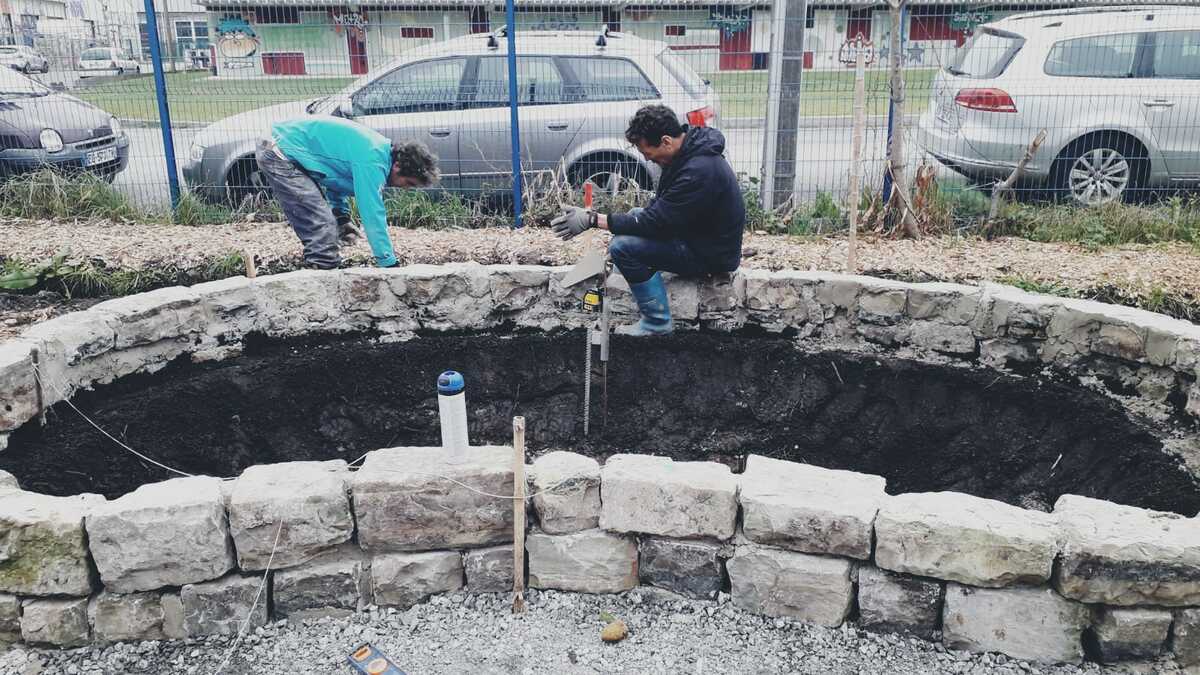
x: 518, y: 606
x: 860, y: 121
x: 1009, y: 183
x: 251, y: 270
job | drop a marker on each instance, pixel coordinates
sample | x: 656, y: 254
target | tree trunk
x: 896, y: 162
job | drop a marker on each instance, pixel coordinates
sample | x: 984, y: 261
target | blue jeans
x: 639, y: 258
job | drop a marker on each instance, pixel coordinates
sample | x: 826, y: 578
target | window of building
x: 611, y: 17
x: 1097, y: 56
x: 269, y: 15
x: 674, y: 30
x: 479, y: 20
x: 191, y: 35
x: 417, y: 32
x: 810, y: 17
x: 1177, y: 55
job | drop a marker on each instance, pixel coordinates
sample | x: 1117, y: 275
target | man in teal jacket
x: 304, y: 156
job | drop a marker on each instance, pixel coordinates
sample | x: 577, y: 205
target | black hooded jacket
x: 698, y: 200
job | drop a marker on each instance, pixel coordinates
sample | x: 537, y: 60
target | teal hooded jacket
x: 345, y: 158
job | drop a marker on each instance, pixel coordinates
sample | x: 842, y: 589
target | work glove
x: 573, y: 221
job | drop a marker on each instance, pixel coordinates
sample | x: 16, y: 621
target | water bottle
x: 452, y: 407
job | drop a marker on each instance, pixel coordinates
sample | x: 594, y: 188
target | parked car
x: 41, y: 128
x: 24, y: 59
x: 577, y: 91
x: 105, y: 62
x: 1116, y: 89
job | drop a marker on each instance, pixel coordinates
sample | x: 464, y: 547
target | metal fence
x: 1111, y: 94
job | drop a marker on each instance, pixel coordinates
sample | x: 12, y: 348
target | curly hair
x: 415, y: 161
x: 650, y: 123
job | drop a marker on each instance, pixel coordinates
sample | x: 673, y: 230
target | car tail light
x: 700, y: 117
x: 988, y: 100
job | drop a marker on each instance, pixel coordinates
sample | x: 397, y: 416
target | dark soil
x: 18, y: 311
x: 697, y: 396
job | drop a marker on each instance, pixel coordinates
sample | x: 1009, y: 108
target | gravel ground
x: 559, y: 634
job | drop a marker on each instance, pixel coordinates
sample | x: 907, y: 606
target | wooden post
x: 248, y: 258
x: 860, y: 121
x: 1009, y: 183
x: 518, y: 606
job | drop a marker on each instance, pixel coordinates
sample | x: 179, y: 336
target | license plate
x: 100, y: 157
x: 946, y: 112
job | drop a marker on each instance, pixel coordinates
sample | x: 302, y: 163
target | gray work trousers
x: 304, y: 205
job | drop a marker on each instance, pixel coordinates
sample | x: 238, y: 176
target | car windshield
x: 13, y: 83
x: 95, y: 55
x: 985, y: 55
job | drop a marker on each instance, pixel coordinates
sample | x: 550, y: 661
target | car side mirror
x: 345, y: 108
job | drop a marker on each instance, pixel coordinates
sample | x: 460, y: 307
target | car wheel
x: 245, y: 181
x: 609, y: 174
x: 1099, y: 170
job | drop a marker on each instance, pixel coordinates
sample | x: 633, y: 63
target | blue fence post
x: 513, y: 117
x: 887, y: 175
x: 164, y: 111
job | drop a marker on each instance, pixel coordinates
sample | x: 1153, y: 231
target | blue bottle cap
x: 450, y: 382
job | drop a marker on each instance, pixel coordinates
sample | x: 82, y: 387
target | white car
x: 105, y: 62
x: 22, y: 58
x: 1117, y: 90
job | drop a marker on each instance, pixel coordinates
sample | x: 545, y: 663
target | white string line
x: 246, y: 623
x: 352, y: 465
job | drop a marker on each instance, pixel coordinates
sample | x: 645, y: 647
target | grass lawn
x: 744, y: 93
x: 195, y: 97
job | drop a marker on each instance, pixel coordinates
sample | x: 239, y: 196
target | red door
x: 860, y: 22
x: 358, y: 52
x: 735, y: 50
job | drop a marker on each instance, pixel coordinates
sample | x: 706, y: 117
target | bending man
x: 305, y: 155
x: 692, y: 226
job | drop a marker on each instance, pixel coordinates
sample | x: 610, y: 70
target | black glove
x: 573, y: 221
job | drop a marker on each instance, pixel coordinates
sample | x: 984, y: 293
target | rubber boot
x: 651, y: 296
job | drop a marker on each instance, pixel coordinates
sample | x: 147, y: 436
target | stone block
x: 62, y: 623
x: 10, y: 618
x: 655, y: 495
x: 896, y: 603
x: 172, y: 626
x: 43, y: 547
x: 942, y: 338
x: 722, y: 296
x: 8, y: 482
x: 690, y: 568
x: 683, y: 296
x: 172, y: 313
x: 1122, y: 555
x: 1003, y: 352
x: 449, y: 297
x: 309, y: 501
x: 1015, y: 313
x: 838, y: 292
x: 220, y: 607
x: 1080, y: 327
x: 122, y: 618
x: 958, y: 537
x: 232, y: 307
x: 1185, y: 637
x: 405, y: 579
x: 811, y: 588
x: 337, y: 582
x: 592, y: 561
x: 809, y: 509
x: 1034, y: 624
x: 489, y: 570
x: 1122, y: 633
x: 778, y: 301
x: 574, y: 502
x: 19, y: 384
x: 954, y: 304
x: 369, y: 290
x: 401, y: 506
x: 299, y: 302
x: 163, y: 534
x: 882, y: 302
x: 519, y: 288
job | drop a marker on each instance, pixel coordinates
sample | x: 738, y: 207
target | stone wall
x: 185, y: 557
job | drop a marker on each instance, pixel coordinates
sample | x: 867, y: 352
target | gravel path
x: 559, y: 635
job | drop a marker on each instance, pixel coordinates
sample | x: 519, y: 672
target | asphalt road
x: 823, y: 157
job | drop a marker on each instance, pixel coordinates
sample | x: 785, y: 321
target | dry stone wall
x: 185, y: 557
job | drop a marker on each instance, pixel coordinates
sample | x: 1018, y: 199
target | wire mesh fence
x: 1111, y: 94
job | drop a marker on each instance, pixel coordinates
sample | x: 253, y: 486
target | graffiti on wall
x: 556, y: 22
x: 237, y: 43
x: 354, y: 22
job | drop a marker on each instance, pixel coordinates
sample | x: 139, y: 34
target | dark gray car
x: 42, y: 128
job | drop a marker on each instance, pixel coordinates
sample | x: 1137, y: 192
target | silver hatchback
x: 1117, y: 91
x: 576, y: 93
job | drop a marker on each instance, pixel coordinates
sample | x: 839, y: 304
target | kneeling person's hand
x: 573, y: 221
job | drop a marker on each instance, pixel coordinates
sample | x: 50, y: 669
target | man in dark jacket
x: 693, y: 225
